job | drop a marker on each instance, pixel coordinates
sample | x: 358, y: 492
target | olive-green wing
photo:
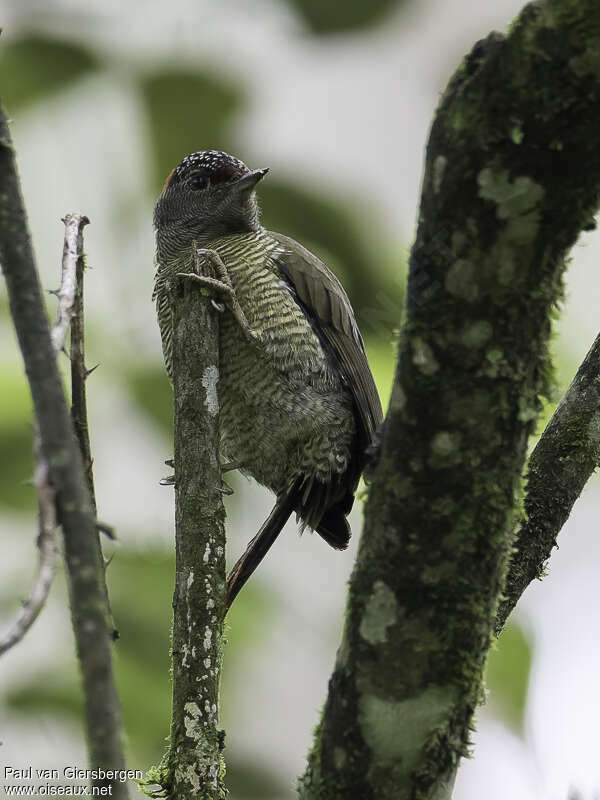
x: 327, y: 306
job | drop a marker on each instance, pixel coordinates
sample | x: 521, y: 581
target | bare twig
x: 73, y: 253
x: 83, y: 556
x: 68, y: 308
x: 74, y: 225
x: 46, y: 558
x: 68, y: 284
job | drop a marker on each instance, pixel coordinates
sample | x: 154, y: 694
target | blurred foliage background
x: 102, y: 112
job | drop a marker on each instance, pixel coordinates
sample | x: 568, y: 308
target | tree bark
x: 83, y: 556
x: 194, y: 765
x: 79, y: 373
x: 68, y: 310
x: 566, y: 455
x: 512, y: 176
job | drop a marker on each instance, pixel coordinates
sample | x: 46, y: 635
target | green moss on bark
x: 500, y: 208
x: 193, y: 766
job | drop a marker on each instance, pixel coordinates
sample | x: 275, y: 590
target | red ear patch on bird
x: 168, y: 180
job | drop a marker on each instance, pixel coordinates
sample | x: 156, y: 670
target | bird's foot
x: 225, y: 488
x: 221, y: 286
x: 170, y: 479
x: 229, y: 466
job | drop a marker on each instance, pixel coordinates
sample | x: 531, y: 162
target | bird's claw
x: 212, y: 255
x: 230, y: 301
x: 229, y: 466
x: 170, y: 479
x: 222, y: 286
x: 225, y: 489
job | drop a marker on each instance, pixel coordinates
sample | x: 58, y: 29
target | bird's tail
x: 334, y: 528
x: 260, y: 545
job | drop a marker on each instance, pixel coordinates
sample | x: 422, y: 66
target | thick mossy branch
x: 512, y: 176
x: 194, y: 764
x: 61, y: 453
x: 566, y: 455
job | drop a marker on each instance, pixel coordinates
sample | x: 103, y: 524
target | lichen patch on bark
x: 380, y: 613
x: 395, y: 730
x: 209, y: 381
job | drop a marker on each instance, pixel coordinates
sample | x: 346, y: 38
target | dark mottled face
x: 210, y: 193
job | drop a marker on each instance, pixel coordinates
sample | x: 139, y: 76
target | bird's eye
x: 198, y: 182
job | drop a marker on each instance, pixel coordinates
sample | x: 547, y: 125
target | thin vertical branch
x: 69, y: 312
x: 194, y: 763
x: 73, y: 256
x: 60, y: 450
x: 46, y: 542
x: 74, y: 225
x: 68, y: 280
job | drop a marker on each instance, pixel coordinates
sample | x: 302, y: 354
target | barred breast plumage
x: 285, y: 413
x: 298, y: 404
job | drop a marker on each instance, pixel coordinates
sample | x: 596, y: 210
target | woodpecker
x: 297, y: 400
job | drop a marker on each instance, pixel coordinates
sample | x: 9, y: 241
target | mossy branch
x: 566, y: 455
x: 512, y: 176
x: 194, y: 766
x: 47, y: 550
x: 66, y: 475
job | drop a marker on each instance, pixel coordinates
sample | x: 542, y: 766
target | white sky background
x: 350, y: 113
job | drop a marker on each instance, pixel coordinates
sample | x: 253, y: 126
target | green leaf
x: 507, y: 674
x: 187, y: 111
x: 328, y: 16
x: 36, y: 66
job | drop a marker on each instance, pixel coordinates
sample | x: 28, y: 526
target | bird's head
x: 209, y: 194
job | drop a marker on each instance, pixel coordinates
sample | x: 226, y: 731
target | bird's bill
x: 248, y: 181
